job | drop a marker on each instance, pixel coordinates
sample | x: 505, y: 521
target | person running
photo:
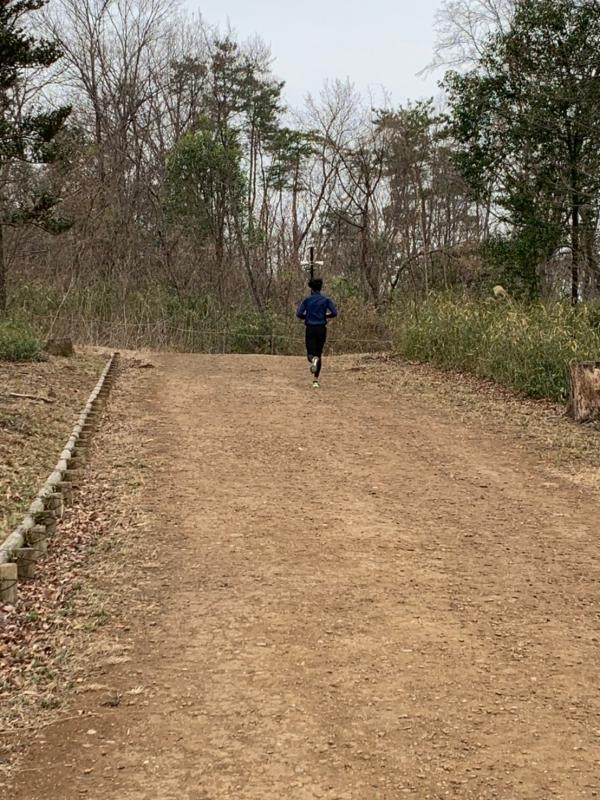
x: 315, y: 311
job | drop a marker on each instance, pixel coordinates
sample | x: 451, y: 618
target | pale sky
x: 375, y: 43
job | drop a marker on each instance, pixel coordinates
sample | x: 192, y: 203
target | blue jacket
x: 317, y: 309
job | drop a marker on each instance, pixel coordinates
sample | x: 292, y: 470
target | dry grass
x: 522, y: 346
x: 541, y: 426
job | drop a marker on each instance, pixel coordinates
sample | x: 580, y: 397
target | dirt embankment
x: 35, y: 428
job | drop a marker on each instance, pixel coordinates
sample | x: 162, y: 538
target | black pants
x: 316, y: 336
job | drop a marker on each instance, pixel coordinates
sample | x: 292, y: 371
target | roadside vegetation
x: 157, y: 317
x: 19, y: 342
x: 161, y: 195
x: 525, y: 346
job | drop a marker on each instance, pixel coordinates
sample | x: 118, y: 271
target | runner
x: 315, y: 311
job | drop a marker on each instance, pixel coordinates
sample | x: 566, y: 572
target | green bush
x: 19, y: 343
x: 524, y: 346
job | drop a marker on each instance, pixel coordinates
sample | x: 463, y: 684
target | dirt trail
x: 368, y: 599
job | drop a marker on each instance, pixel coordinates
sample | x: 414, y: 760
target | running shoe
x: 316, y: 385
x: 314, y: 365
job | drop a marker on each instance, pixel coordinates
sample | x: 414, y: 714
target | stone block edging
x: 28, y: 541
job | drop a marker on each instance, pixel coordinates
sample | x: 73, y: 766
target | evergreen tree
x: 525, y: 121
x: 27, y: 135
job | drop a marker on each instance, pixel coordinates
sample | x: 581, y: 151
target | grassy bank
x: 524, y: 346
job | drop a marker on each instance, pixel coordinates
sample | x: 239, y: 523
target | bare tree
x: 462, y: 27
x: 109, y: 70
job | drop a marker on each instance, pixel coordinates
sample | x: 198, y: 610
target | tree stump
x: 584, y: 401
x: 60, y: 347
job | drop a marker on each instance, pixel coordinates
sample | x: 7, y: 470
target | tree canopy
x: 527, y: 131
x: 28, y: 135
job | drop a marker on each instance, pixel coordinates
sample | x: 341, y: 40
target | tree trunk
x: 295, y: 225
x: 421, y: 222
x: 593, y: 276
x: 248, y: 266
x: 3, y: 293
x: 575, y: 255
x: 424, y: 234
x: 584, y: 401
x: 575, y: 233
x: 366, y: 279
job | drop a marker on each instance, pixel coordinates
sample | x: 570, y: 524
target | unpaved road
x: 360, y: 597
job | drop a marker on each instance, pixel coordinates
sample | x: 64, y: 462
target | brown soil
x: 388, y: 588
x: 32, y: 432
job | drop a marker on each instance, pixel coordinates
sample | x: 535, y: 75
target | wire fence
x: 163, y: 334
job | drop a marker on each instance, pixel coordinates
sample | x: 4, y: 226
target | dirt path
x: 360, y: 597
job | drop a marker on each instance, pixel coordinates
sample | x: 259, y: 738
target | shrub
x: 154, y: 316
x: 527, y: 346
x: 19, y: 343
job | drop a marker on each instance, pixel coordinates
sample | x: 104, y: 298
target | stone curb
x: 26, y: 542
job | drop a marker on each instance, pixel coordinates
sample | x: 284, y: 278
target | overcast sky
x: 375, y: 43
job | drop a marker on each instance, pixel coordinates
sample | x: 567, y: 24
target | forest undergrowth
x: 524, y: 346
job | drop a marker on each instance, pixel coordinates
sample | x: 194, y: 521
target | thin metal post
x: 312, y: 263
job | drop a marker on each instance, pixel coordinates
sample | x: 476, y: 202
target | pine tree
x: 27, y: 135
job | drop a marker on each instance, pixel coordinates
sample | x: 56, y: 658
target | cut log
x: 584, y: 401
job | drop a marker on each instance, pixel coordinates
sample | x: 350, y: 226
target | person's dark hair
x: 316, y: 284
